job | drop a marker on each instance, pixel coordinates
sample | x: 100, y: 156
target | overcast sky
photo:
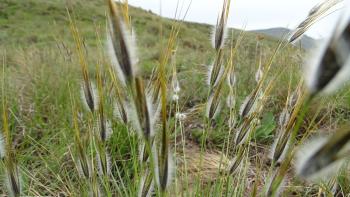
x: 251, y: 14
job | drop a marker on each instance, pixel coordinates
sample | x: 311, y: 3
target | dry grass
x: 174, y: 134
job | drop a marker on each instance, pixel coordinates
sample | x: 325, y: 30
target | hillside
x: 277, y: 33
x: 43, y: 24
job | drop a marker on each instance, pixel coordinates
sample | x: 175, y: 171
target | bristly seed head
x: 145, y: 115
x: 146, y: 184
x: 103, y: 162
x: 175, y: 97
x: 231, y: 101
x: 236, y: 161
x: 89, y: 96
x: 214, y: 103
x: 293, y: 98
x: 2, y: 146
x: 280, y: 145
x: 105, y: 129
x: 166, y: 174
x: 248, y: 106
x: 121, y: 112
x: 84, y: 168
x: 175, y: 82
x: 13, y: 178
x: 323, y: 154
x: 259, y: 74
x: 231, y: 79
x: 180, y: 116
x: 94, y: 188
x: 219, y: 34
x: 331, y: 69
x: 176, y: 86
x: 215, y: 71
x: 121, y: 45
x: 272, y: 187
x: 316, y: 13
x: 247, y: 127
x: 283, y: 118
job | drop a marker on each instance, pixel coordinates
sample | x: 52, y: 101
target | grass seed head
x: 236, y: 161
x: 331, y: 66
x: 145, y: 117
x: 167, y: 174
x: 146, y: 186
x: 248, y: 106
x: 12, y: 177
x: 180, y: 116
x: 215, y: 71
x: 293, y: 98
x: 245, y: 130
x: 175, y: 82
x: 2, y: 146
x: 89, y: 96
x: 283, y: 118
x: 121, y: 45
x: 83, y: 164
x: 316, y: 13
x: 103, y: 161
x: 175, y: 97
x: 259, y: 73
x: 105, y: 129
x: 280, y: 145
x: 323, y: 155
x: 176, y: 86
x: 94, y: 188
x: 231, y: 101
x: 83, y: 167
x: 214, y: 104
x: 231, y: 79
x: 273, y: 189
x: 121, y: 107
x: 219, y: 31
x: 121, y: 111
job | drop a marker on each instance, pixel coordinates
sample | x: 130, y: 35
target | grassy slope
x: 42, y: 68
x: 43, y: 24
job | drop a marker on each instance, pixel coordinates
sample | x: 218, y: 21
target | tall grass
x: 102, y: 124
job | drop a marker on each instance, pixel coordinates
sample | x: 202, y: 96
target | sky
x: 246, y: 14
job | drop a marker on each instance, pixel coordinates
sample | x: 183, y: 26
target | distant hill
x: 306, y: 41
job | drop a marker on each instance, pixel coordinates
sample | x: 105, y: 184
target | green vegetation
x: 42, y: 82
